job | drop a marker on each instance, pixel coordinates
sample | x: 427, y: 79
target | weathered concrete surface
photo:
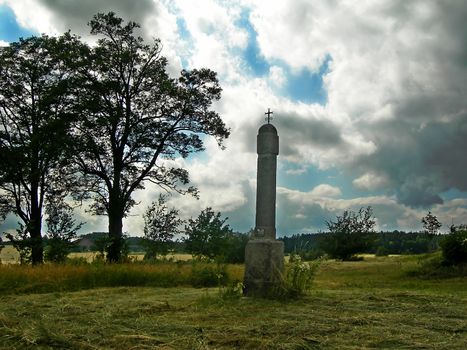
x: 268, y: 149
x: 264, y: 256
x: 264, y: 266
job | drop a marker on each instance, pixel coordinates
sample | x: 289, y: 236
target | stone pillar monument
x: 264, y: 255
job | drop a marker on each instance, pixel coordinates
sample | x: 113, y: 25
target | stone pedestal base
x: 264, y: 264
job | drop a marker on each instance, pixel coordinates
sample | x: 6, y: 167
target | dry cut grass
x: 373, y: 304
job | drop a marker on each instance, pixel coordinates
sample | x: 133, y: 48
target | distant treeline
x: 93, y: 241
x: 395, y: 242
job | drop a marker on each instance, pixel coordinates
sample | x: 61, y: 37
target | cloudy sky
x: 369, y: 99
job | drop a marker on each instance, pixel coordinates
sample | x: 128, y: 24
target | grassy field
x: 371, y: 304
x: 10, y: 255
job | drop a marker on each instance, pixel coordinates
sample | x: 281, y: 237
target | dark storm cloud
x: 75, y: 15
x: 242, y: 219
x: 293, y: 216
x: 296, y: 130
x: 421, y: 161
x: 421, y: 148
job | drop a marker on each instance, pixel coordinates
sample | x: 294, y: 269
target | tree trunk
x: 114, y: 250
x: 34, y: 228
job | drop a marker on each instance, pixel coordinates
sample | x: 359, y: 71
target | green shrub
x: 57, y: 250
x: 433, y: 266
x: 297, y: 279
x: 208, y: 235
x: 77, y: 261
x: 454, y: 248
x: 349, y: 234
x: 208, y: 275
x: 382, y: 251
x: 161, y: 224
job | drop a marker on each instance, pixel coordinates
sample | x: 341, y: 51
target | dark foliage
x: 61, y: 230
x: 349, y: 234
x: 454, y: 246
x: 431, y: 224
x: 234, y: 249
x: 399, y: 242
x: 22, y: 242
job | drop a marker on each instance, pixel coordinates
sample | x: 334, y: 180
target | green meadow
x: 377, y: 303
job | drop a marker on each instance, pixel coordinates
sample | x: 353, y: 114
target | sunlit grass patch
x: 9, y: 255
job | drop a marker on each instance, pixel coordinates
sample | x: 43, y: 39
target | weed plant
x: 297, y: 279
x: 232, y: 291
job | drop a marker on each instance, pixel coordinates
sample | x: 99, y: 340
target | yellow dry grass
x: 9, y: 255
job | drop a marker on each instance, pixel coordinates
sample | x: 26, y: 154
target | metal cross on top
x: 269, y: 118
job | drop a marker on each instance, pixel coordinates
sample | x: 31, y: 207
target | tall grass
x: 53, y: 278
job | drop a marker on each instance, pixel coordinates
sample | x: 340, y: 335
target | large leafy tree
x: 35, y: 103
x: 135, y: 119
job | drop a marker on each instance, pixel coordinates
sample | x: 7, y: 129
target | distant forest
x: 395, y: 242
x: 305, y: 244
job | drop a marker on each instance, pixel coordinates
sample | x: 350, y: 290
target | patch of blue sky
x: 185, y: 35
x: 453, y: 193
x: 304, y: 86
x: 182, y: 29
x: 305, y: 179
x: 257, y: 63
x: 10, y: 30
